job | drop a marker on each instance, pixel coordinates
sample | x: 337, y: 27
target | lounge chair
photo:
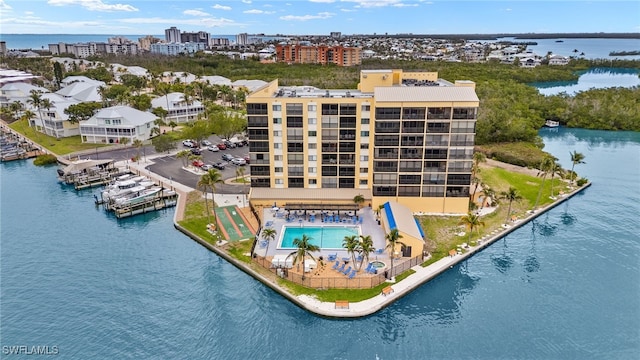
x: 263, y: 244
x: 379, y: 251
x: 335, y: 266
x: 346, y: 271
x: 341, y: 268
x: 353, y: 273
x: 368, y: 268
x: 332, y: 257
x: 359, y: 258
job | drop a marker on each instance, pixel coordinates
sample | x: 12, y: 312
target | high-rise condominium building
x: 401, y: 136
x: 172, y: 35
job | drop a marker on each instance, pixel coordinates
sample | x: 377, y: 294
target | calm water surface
x: 564, y: 287
x: 597, y: 78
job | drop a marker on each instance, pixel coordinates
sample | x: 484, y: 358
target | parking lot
x: 171, y: 168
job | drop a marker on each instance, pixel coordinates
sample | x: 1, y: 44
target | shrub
x: 45, y: 159
x: 582, y: 181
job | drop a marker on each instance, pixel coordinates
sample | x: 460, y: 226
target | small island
x: 624, y: 53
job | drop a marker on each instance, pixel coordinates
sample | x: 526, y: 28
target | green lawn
x: 61, y: 146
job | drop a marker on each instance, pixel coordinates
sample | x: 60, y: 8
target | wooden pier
x: 167, y: 199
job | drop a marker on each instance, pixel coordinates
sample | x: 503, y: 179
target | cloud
x: 404, y: 5
x: 246, y: 1
x: 256, y: 11
x: 204, y: 21
x: 347, y: 10
x: 93, y: 5
x: 322, y: 1
x: 195, y: 13
x: 221, y: 7
x: 322, y: 15
x: 4, y: 6
x: 30, y: 20
x: 374, y: 3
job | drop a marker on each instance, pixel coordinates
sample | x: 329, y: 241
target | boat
x: 124, y: 185
x: 559, y: 40
x: 137, y: 195
x: 552, y: 123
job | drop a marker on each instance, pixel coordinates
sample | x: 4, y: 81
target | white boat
x: 139, y: 194
x: 122, y: 186
x: 551, y: 123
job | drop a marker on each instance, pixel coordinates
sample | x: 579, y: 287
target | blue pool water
x: 326, y: 237
x: 566, y: 286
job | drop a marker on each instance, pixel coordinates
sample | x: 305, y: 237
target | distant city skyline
x: 317, y: 17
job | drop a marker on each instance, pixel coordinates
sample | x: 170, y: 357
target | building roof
x: 176, y: 100
x: 251, y: 85
x: 425, y: 94
x: 20, y: 89
x: 216, y: 80
x: 82, y: 91
x: 128, y: 115
x: 73, y: 79
x: 302, y: 194
x: 400, y: 217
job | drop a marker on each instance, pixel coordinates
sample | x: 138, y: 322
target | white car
x: 189, y: 143
x: 239, y: 161
x: 213, y: 148
x: 206, y: 143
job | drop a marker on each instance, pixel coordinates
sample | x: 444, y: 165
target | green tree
x: 227, y: 125
x: 510, y: 195
x: 140, y: 102
x: 546, y: 165
x: 160, y: 112
x: 304, y: 250
x: 208, y: 181
x: 478, y: 158
x: 133, y: 82
x: 358, y: 200
x: 197, y: 130
x: 138, y: 144
x: 352, y: 245
x: 366, y: 248
x: 268, y: 234
x: 124, y: 141
x: 58, y: 73
x: 555, y: 170
x: 576, y: 158
x: 82, y: 111
x: 393, y: 241
x: 184, y: 156
x: 471, y: 221
x: 35, y: 100
x: 163, y: 143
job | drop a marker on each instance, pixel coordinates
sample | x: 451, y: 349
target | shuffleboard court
x: 232, y: 224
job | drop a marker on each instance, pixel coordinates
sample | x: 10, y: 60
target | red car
x: 221, y: 146
x: 246, y: 158
x: 197, y: 163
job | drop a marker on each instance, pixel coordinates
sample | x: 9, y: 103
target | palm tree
x: 511, y: 195
x: 489, y: 193
x: 556, y: 169
x: 352, y: 245
x: 471, y: 221
x: 239, y: 173
x: 138, y: 144
x: 576, y: 158
x: 379, y: 209
x: 545, y: 167
x: 393, y: 240
x: 269, y: 235
x: 35, y: 100
x: 366, y: 248
x: 358, y: 199
x: 478, y: 158
x: 124, y: 141
x: 184, y: 155
x: 304, y: 249
x: 208, y: 181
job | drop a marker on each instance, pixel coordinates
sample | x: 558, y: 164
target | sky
x: 316, y: 17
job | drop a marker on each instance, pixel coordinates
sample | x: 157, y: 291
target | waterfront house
x: 110, y: 125
x: 178, y: 109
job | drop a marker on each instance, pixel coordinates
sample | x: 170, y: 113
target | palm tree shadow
x: 566, y: 217
x: 503, y: 262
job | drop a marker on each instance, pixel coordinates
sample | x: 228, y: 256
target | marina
x: 16, y: 147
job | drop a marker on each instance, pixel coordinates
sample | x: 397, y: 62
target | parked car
x: 196, y: 151
x: 197, y: 163
x: 213, y: 148
x: 206, y: 143
x: 227, y: 157
x: 247, y: 158
x: 230, y: 144
x: 221, y: 146
x: 239, y: 161
x: 239, y: 144
x: 188, y: 143
x: 206, y: 167
x: 219, y: 165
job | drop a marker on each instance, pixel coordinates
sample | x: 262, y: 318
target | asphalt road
x: 171, y: 168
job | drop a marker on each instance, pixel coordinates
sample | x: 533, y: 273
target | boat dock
x: 13, y: 146
x: 166, y: 198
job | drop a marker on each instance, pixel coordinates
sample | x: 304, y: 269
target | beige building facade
x: 405, y: 137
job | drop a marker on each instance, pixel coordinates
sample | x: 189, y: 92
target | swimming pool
x: 326, y: 237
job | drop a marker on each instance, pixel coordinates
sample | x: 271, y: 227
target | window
x: 312, y: 121
x: 312, y: 107
x: 294, y: 109
x: 387, y: 113
x: 279, y: 181
x: 329, y: 109
x: 313, y: 157
x: 107, y: 122
x: 364, y: 133
x: 277, y: 169
x: 313, y: 133
x: 364, y: 121
x: 257, y: 109
x: 365, y: 107
x: 312, y: 170
x: 277, y: 133
x: 274, y: 107
x: 364, y: 157
x: 294, y: 121
x: 347, y: 109
x: 313, y: 181
x: 413, y: 113
x: 364, y: 146
x: 257, y: 121
x: 148, y: 125
x: 277, y: 120
x: 364, y: 170
x: 364, y: 182
x: 295, y: 159
x: 313, y: 146
x: 277, y: 146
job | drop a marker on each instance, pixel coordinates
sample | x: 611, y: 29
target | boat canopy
x: 81, y: 165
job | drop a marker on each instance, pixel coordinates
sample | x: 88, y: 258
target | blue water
x: 594, y: 48
x: 326, y: 237
x: 597, y: 78
x: 564, y: 287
